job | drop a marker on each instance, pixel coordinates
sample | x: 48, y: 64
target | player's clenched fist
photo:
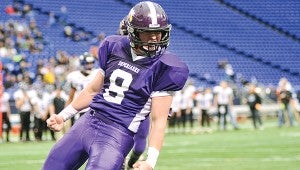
x: 142, y: 165
x: 55, y: 122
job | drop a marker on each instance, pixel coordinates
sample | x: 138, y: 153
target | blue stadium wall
x: 261, y: 39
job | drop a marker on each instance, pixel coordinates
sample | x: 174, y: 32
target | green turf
x: 244, y: 149
x: 247, y: 149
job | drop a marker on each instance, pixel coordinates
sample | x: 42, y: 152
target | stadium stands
x: 255, y: 37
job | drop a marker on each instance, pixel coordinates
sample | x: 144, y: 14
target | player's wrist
x: 68, y: 112
x: 152, y: 156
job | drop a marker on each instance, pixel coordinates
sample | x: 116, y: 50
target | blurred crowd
x: 33, y: 87
x: 36, y: 98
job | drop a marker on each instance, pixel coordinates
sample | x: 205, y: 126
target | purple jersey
x: 128, y: 84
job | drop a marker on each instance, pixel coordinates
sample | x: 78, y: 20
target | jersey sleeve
x: 172, y: 78
x: 34, y: 100
x: 103, y: 54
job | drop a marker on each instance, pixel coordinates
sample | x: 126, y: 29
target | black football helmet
x: 148, y: 16
x: 87, y: 61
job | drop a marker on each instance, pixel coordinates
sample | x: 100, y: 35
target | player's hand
x: 141, y: 165
x: 55, y: 122
x: 258, y: 106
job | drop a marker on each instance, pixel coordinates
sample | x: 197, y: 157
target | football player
x: 137, y: 77
x: 140, y: 138
x: 78, y: 79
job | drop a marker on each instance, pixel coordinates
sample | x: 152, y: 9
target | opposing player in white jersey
x: 223, y: 100
x: 78, y: 79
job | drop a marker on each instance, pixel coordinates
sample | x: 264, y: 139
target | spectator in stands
x: 6, y: 112
x: 2, y: 31
x: 32, y: 46
x: 33, y: 28
x: 68, y: 31
x: 227, y: 67
x: 61, y: 57
x: 285, y: 98
x: 78, y: 35
x: 63, y: 15
x: 48, y: 73
x: 73, y: 64
x: 3, y: 49
x: 9, y: 10
x: 98, y: 39
x: 254, y: 102
x: 17, y: 7
x: 39, y: 37
x: 10, y: 80
x: 61, y: 71
x: 11, y: 51
x: 27, y: 11
x: 51, y: 19
x: 21, y: 70
x: 94, y: 51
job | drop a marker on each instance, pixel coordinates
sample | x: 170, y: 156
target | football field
x: 270, y: 149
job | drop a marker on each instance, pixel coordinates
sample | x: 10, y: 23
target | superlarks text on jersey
x: 129, y: 66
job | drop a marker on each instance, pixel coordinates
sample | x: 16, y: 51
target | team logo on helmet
x: 130, y: 15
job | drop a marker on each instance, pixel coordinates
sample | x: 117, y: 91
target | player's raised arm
x: 85, y: 97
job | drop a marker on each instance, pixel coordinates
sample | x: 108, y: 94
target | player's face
x: 89, y: 66
x: 150, y: 37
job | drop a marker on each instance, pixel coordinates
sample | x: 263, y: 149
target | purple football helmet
x: 148, y: 16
